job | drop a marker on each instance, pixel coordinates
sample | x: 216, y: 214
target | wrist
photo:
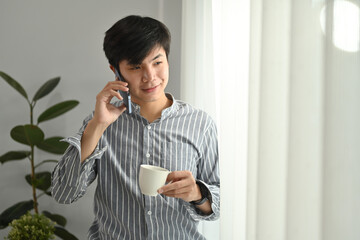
x: 95, y: 126
x: 204, y: 194
x: 198, y: 196
x: 90, y: 138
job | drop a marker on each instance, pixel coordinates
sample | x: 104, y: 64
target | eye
x: 135, y: 68
x: 158, y: 63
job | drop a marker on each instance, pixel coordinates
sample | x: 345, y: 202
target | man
x: 161, y: 131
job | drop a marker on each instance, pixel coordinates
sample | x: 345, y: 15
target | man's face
x: 147, y: 80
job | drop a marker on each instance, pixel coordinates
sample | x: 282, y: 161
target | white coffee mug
x: 151, y: 178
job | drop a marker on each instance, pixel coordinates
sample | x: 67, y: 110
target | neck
x: 152, y: 110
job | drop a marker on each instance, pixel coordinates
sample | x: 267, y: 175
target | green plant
x: 33, y: 136
x: 32, y: 227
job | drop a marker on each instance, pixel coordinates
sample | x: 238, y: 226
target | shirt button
x: 149, y: 212
x: 148, y: 155
x: 148, y: 127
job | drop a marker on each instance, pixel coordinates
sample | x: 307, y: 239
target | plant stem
x: 31, y: 113
x: 33, y: 178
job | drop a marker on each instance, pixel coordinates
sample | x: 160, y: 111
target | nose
x: 148, y: 74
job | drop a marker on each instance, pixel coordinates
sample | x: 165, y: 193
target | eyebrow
x: 156, y: 57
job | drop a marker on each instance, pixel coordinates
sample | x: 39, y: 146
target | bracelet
x: 204, y: 194
x: 199, y: 202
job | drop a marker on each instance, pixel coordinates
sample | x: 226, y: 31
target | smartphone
x: 125, y: 95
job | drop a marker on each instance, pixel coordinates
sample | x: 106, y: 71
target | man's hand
x: 182, y: 185
x: 105, y: 112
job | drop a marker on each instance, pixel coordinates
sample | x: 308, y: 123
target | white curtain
x: 198, y: 81
x: 304, y: 155
x: 282, y: 80
x: 215, y: 77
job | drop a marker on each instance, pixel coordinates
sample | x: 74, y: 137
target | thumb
x: 122, y: 108
x: 170, y: 177
x: 117, y: 111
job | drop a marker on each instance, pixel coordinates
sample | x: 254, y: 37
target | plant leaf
x: 60, y: 220
x: 14, y: 84
x: 53, y: 145
x: 46, y: 161
x: 15, y: 212
x: 46, y: 88
x: 57, y: 110
x: 64, y: 234
x: 42, y: 180
x: 27, y: 134
x: 14, y: 155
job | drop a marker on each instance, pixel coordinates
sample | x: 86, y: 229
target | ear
x: 112, y: 68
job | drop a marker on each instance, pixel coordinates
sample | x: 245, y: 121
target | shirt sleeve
x: 70, y: 178
x: 208, y: 174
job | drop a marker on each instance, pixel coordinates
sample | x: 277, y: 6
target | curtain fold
x: 197, y: 71
x: 283, y: 86
x: 215, y: 68
x: 303, y: 139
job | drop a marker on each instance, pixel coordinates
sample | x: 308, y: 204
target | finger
x: 116, y: 111
x: 117, y: 81
x: 122, y: 83
x: 179, y: 191
x: 106, y: 96
x: 185, y: 197
x: 186, y: 194
x: 111, y: 90
x: 178, y: 175
x: 121, y: 109
x: 118, y: 86
x: 117, y: 94
x: 176, y: 186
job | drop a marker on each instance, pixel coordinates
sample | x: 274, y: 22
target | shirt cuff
x: 76, y: 167
x: 196, y: 214
x: 76, y: 142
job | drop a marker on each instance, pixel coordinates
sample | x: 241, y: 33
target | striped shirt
x: 183, y: 138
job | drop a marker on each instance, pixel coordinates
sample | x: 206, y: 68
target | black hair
x: 133, y: 37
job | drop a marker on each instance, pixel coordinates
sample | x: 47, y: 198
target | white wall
x: 44, y: 39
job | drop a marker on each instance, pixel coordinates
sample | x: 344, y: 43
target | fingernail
x: 160, y: 191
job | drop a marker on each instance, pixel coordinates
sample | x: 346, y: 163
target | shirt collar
x: 172, y: 109
x: 165, y: 112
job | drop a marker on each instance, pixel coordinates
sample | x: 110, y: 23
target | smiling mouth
x: 149, y: 90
